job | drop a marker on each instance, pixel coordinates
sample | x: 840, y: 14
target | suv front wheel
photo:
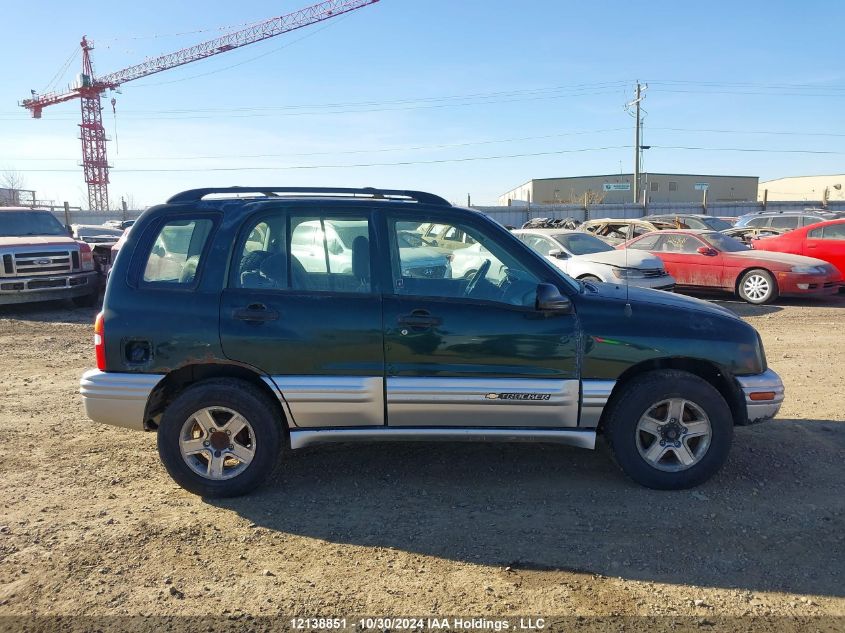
x: 669, y: 429
x: 220, y: 438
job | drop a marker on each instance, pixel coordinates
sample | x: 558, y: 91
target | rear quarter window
x: 176, y: 254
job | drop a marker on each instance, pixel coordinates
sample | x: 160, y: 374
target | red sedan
x: 710, y: 260
x: 824, y: 240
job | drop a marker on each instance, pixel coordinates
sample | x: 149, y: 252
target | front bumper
x: 117, y: 399
x: 48, y: 287
x: 665, y: 282
x: 763, y: 395
x: 802, y: 284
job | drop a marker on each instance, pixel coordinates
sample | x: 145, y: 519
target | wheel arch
x: 748, y: 269
x: 720, y: 379
x: 180, y: 379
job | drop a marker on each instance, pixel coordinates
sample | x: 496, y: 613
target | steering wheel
x: 479, y: 274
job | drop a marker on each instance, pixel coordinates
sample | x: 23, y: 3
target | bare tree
x: 590, y: 196
x: 14, y: 181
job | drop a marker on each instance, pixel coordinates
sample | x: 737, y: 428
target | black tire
x: 763, y: 276
x: 86, y: 301
x: 637, y: 398
x: 592, y: 278
x: 242, y: 397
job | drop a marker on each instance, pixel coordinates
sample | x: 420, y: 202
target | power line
x: 418, y: 102
x: 435, y: 161
x: 360, y: 151
x: 344, y: 166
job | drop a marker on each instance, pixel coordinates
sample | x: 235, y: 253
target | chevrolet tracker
x: 237, y: 321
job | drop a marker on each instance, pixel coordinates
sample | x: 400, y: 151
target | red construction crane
x: 89, y: 89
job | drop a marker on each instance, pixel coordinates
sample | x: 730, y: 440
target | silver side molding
x: 582, y: 438
x: 487, y: 402
x: 314, y: 401
x: 594, y: 397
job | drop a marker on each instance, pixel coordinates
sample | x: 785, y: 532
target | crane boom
x: 251, y: 34
x: 90, y: 88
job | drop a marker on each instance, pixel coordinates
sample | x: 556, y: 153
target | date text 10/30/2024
x: 419, y: 624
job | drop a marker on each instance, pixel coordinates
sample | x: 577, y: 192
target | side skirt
x: 582, y: 438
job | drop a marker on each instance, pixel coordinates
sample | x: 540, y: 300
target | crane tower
x: 89, y: 88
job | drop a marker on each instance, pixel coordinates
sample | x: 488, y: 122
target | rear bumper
x: 117, y: 399
x: 47, y: 287
x: 767, y: 385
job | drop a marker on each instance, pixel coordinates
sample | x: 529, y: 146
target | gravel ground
x: 91, y: 523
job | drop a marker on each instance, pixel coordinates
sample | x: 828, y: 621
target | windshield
x: 581, y: 243
x: 716, y: 224
x: 724, y: 243
x: 24, y: 223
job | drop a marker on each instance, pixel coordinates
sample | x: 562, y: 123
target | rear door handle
x: 256, y: 312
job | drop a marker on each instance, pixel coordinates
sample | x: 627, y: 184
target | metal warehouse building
x: 810, y: 188
x: 611, y: 188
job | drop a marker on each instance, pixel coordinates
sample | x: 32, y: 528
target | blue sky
x: 432, y: 80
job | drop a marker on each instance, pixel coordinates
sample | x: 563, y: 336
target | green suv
x: 234, y: 324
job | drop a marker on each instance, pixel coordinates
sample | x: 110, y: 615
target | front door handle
x: 419, y: 319
x: 255, y: 312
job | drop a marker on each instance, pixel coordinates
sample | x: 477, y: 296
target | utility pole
x: 638, y: 97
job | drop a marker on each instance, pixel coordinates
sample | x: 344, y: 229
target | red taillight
x: 87, y: 257
x: 99, y: 342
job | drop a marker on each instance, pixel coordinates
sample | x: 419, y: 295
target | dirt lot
x: 92, y: 524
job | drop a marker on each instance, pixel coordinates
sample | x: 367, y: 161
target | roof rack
x: 195, y: 195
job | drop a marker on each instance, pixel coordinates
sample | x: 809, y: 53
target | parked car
x: 119, y: 224
x: 41, y: 262
x: 746, y: 234
x: 418, y: 259
x: 95, y: 233
x: 785, y: 219
x: 825, y: 241
x: 712, y: 260
x: 692, y: 221
x: 586, y: 257
x: 444, y: 236
x: 616, y: 231
x: 224, y: 369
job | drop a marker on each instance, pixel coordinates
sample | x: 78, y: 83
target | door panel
x: 479, y: 364
x: 509, y: 402
x: 316, y: 331
x: 686, y: 265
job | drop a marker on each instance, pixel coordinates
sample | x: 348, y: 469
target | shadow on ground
x: 771, y: 520
x: 62, y: 311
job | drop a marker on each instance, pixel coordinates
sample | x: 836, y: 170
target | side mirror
x: 706, y: 250
x: 549, y: 299
x: 558, y: 254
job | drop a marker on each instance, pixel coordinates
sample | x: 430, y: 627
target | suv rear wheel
x: 669, y: 430
x: 220, y: 438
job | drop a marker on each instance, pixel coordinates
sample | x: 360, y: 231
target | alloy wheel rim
x: 756, y: 287
x: 673, y: 435
x: 217, y: 443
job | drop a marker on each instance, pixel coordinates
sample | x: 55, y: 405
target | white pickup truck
x: 39, y: 261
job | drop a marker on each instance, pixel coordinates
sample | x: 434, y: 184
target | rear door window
x: 176, y: 253
x: 786, y: 222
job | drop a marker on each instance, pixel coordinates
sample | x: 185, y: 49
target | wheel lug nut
x: 206, y: 443
x: 663, y: 442
x: 231, y: 447
x: 677, y: 445
x: 228, y: 432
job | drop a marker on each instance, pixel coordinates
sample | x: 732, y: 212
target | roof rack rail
x: 195, y: 195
